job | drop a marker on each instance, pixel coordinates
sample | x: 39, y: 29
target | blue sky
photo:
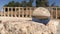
x: 57, y: 2
x: 3, y: 2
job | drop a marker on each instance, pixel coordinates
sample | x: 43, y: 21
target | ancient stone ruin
x: 21, y: 26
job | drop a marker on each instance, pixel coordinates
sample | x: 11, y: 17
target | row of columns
x: 20, y: 9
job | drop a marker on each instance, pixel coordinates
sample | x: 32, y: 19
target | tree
x: 41, y: 3
x: 23, y: 3
x: 10, y: 4
x: 17, y: 4
x: 53, y: 4
x: 13, y: 4
x: 29, y: 4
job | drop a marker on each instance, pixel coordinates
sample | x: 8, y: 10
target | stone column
x: 26, y: 11
x: 30, y: 15
x: 11, y: 11
x: 4, y: 11
x: 22, y: 12
x: 1, y: 12
x: 52, y: 13
x: 8, y: 11
x: 56, y: 12
x: 15, y: 11
x: 19, y: 12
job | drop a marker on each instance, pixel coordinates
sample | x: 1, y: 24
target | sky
x: 3, y: 2
x: 57, y: 2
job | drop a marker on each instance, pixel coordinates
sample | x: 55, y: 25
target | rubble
x: 23, y: 27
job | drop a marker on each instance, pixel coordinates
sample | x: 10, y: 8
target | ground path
x: 58, y: 29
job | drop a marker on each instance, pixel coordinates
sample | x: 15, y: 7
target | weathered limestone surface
x: 58, y: 29
x: 41, y: 12
x: 23, y: 27
x: 13, y: 26
x: 53, y: 24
